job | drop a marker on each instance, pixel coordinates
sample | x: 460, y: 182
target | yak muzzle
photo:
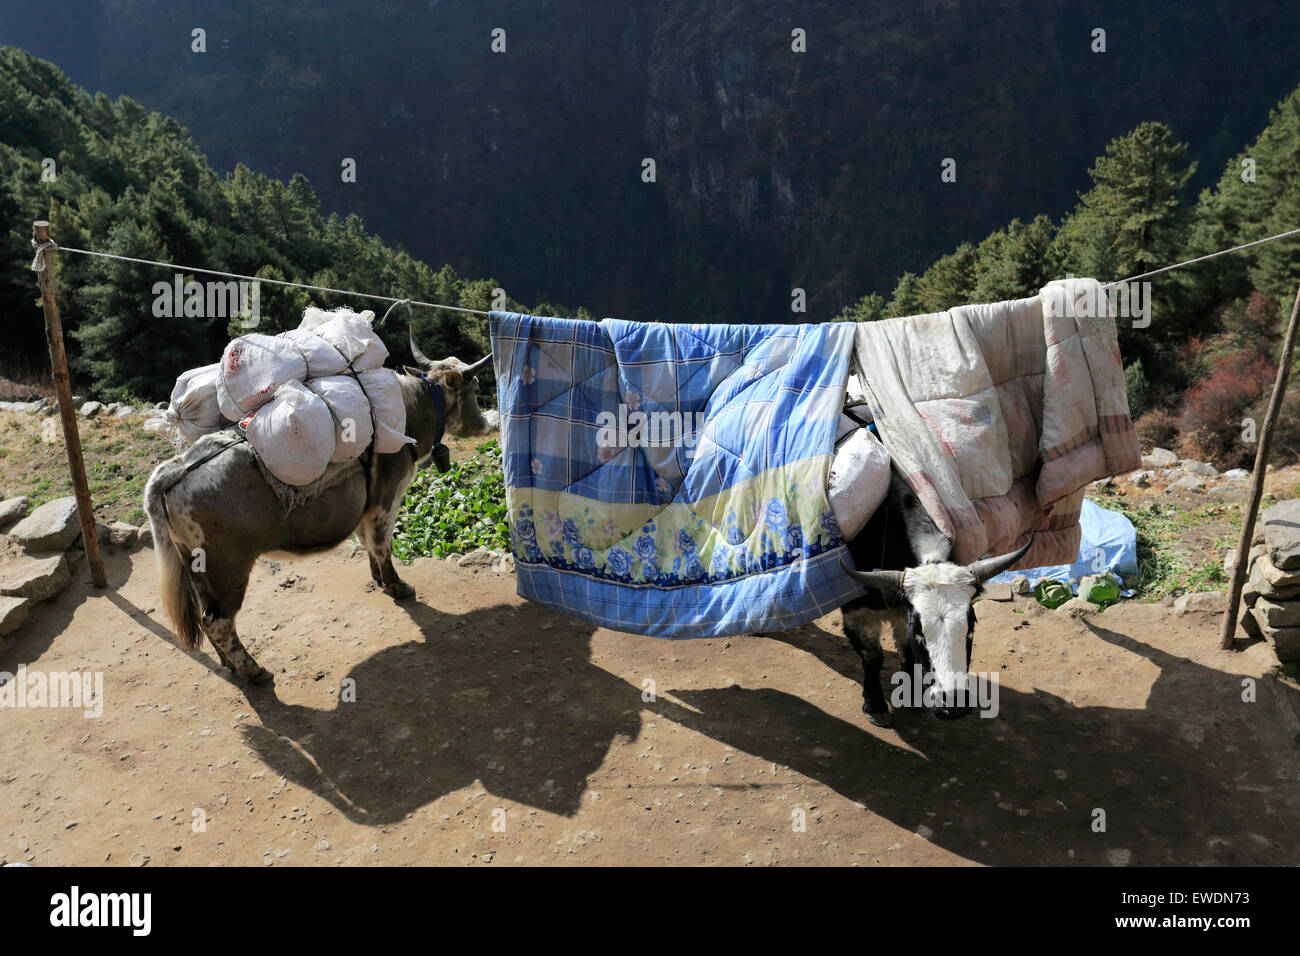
x: 442, y: 458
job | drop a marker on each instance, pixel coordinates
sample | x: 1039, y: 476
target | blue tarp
x: 1108, y: 543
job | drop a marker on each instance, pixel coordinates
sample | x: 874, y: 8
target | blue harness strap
x: 440, y: 452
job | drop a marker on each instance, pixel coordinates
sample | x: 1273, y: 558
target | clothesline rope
x: 1188, y: 262
x: 236, y: 275
x: 38, y: 265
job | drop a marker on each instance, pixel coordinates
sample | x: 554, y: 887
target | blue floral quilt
x: 670, y: 480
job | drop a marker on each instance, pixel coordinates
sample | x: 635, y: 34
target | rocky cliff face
x: 774, y: 168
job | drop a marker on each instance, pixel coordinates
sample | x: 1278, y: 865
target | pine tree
x: 1132, y: 220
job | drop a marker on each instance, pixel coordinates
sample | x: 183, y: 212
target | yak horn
x: 419, y: 356
x: 986, y: 568
x: 471, y: 369
x: 877, y: 580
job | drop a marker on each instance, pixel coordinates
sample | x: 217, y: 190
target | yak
x: 212, y: 502
x: 922, y: 600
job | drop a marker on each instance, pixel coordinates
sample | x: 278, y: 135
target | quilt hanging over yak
x: 670, y: 480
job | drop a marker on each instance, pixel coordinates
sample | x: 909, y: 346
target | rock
x: 1230, y: 557
x: 12, y: 509
x: 1102, y: 483
x: 1249, y: 593
x: 1172, y: 474
x: 1271, y: 583
x: 91, y: 409
x: 122, y: 535
x: 1192, y: 467
x: 1282, y: 534
x: 51, y: 527
x: 1246, y: 621
x: 1020, y: 584
x: 126, y: 411
x: 37, y: 579
x: 1077, y: 605
x: 1236, y: 474
x: 1159, y: 458
x: 454, y: 558
x: 144, y: 537
x: 478, y: 558
x: 13, y: 611
x: 1213, y: 601
x: 996, y: 591
x: 112, y: 407
x: 1140, y: 479
x: 504, y: 564
x: 1187, y: 482
x: 1229, y: 491
x: 1277, y: 613
x: 1285, y: 640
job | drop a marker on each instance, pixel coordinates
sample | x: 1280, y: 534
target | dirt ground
x: 473, y: 709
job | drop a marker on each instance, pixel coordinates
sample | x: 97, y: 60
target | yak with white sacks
x: 300, y: 440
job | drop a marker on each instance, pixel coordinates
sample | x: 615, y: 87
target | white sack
x: 349, y: 332
x: 385, y: 395
x: 347, y: 404
x: 194, y: 411
x: 225, y: 403
x: 254, y: 366
x: 322, y: 358
x: 293, y: 434
x: 858, y: 481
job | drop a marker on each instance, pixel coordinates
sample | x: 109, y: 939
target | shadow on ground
x: 1181, y: 780
x: 530, y: 720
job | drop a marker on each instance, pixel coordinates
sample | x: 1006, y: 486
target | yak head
x: 459, y: 387
x: 941, y: 622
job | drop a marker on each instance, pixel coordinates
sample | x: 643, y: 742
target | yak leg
x: 863, y: 626
x: 376, y: 534
x: 220, y: 591
x: 221, y: 632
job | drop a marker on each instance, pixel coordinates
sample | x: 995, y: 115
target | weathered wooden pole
x: 63, y: 388
x: 1257, y: 485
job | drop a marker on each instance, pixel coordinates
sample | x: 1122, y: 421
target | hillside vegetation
x: 114, y: 177
x: 132, y: 183
x: 1205, y: 362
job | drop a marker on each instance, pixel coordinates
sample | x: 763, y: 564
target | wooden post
x: 63, y: 387
x: 1257, y: 486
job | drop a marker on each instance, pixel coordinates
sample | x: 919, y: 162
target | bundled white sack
x: 347, y: 404
x: 858, y: 480
x: 194, y: 410
x: 385, y: 395
x: 293, y: 434
x: 254, y: 366
x: 225, y: 403
x: 349, y: 332
x: 322, y: 358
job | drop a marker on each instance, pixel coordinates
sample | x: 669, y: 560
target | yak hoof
x: 259, y: 676
x: 885, y: 719
x: 400, y: 591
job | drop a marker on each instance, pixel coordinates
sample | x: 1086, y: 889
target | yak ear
x: 413, y: 372
x: 452, y: 378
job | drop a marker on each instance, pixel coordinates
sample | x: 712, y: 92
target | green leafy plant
x: 456, y: 512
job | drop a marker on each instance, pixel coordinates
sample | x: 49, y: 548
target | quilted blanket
x: 1000, y: 415
x: 670, y: 480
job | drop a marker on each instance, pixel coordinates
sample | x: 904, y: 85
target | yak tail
x: 174, y: 584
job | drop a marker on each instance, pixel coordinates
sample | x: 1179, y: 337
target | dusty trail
x: 474, y: 708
